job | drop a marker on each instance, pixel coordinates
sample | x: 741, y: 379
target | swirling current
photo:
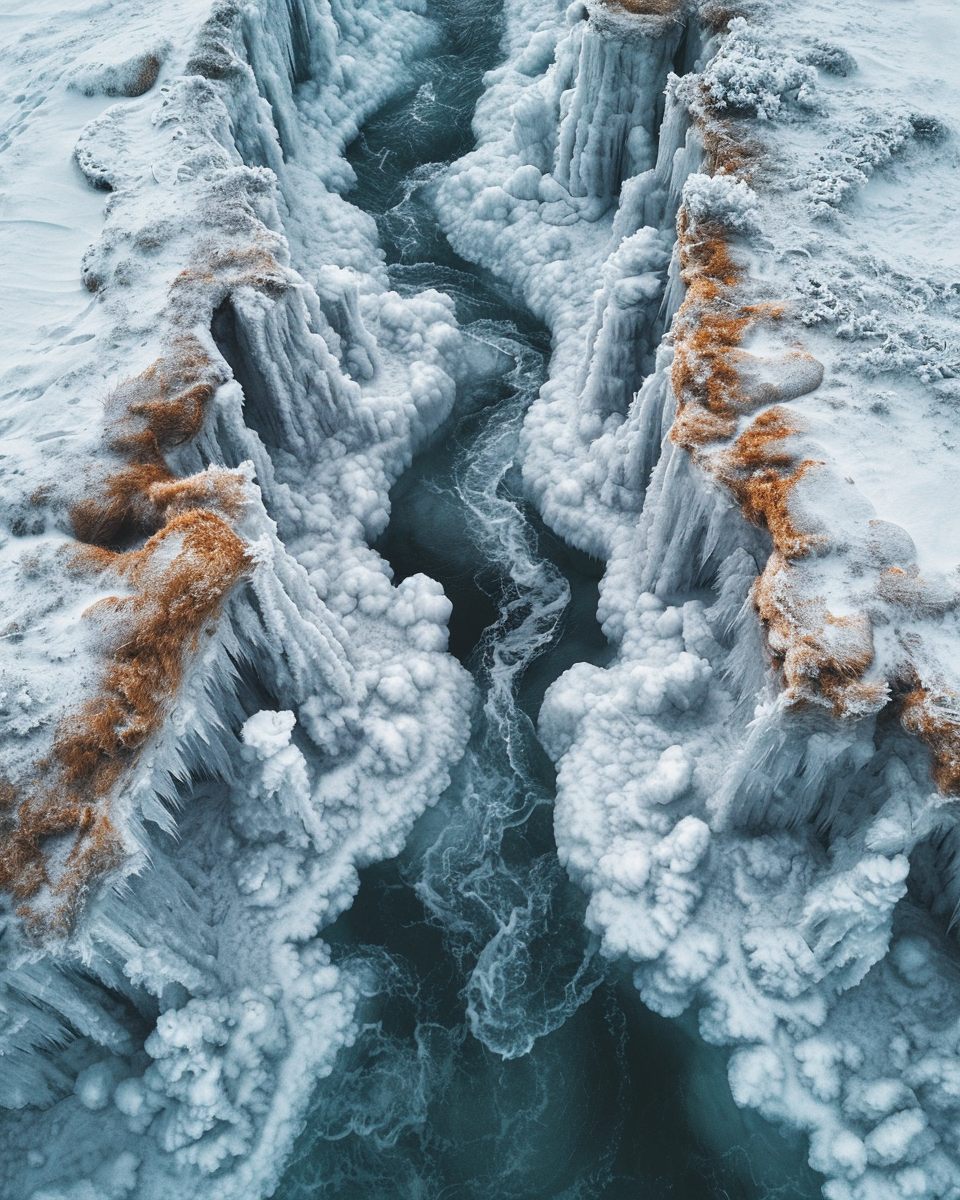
x: 499, y: 1056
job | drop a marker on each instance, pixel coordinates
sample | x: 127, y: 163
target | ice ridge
x: 218, y: 706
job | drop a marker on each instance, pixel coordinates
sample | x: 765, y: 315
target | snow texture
x: 785, y: 868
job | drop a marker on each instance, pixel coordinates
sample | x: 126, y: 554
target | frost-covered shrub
x: 751, y: 76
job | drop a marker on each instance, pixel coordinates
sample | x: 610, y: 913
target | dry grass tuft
x: 762, y: 473
x: 717, y: 16
x: 162, y: 408
x: 253, y: 267
x: 933, y: 716
x: 728, y: 151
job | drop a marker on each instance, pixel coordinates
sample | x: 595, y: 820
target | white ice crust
x: 791, y: 878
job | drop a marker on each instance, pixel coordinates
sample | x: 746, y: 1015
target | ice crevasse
x: 217, y: 706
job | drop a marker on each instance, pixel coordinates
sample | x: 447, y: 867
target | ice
x: 318, y: 712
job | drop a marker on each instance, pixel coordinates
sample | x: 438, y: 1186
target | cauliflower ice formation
x: 219, y: 705
x: 756, y: 792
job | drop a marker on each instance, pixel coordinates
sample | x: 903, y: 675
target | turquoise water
x: 500, y: 1057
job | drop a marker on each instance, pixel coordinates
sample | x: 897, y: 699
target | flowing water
x: 499, y: 1056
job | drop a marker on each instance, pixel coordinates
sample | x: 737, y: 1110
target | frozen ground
x: 218, y: 706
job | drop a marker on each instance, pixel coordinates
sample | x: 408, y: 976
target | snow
x: 207, y: 921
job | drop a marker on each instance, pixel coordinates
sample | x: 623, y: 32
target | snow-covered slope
x: 757, y: 794
x: 216, y: 704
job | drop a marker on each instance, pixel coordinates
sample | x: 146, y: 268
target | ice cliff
x: 217, y: 706
x: 755, y: 352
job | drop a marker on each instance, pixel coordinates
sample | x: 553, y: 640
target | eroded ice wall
x: 217, y: 705
x: 757, y: 793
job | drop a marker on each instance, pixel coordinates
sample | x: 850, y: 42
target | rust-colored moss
x: 146, y: 77
x: 823, y: 658
x: 178, y: 582
x: 728, y: 152
x: 718, y: 16
x: 708, y: 331
x: 933, y: 716
x: 761, y: 472
x: 253, y: 266
x: 646, y: 8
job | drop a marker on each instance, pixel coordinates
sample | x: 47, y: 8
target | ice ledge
x: 204, y: 448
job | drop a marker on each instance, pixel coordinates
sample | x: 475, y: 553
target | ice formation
x: 217, y: 705
x: 756, y: 794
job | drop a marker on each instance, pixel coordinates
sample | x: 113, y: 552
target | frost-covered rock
x: 230, y: 383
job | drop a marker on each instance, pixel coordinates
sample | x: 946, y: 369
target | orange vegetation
x: 823, y: 657
x: 934, y: 717
x: 709, y: 327
x: 162, y: 408
x: 727, y: 152
x: 761, y: 472
x: 59, y: 839
x: 169, y: 542
x: 253, y: 267
x: 647, y: 8
x: 705, y: 329
x: 178, y: 583
x: 717, y: 16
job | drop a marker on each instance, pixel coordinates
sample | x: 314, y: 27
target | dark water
x: 499, y: 1057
